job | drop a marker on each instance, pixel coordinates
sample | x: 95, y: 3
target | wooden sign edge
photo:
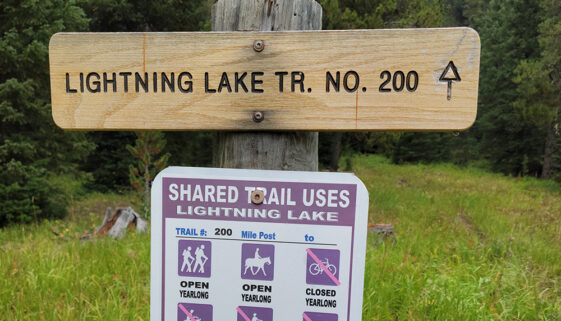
x: 396, y: 30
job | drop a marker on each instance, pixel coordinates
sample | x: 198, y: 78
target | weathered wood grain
x: 297, y: 151
x: 267, y: 150
x: 368, y: 52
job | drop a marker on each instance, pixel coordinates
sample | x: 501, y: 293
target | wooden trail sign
x: 350, y: 80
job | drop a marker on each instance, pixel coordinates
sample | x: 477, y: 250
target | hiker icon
x: 194, y: 258
x: 188, y: 259
x: 257, y: 261
x: 255, y: 318
x: 194, y: 312
x: 200, y: 260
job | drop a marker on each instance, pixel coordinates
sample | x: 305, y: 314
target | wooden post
x: 266, y: 150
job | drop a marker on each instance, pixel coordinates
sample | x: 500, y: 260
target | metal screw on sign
x: 258, y: 45
x: 258, y: 116
x: 257, y: 197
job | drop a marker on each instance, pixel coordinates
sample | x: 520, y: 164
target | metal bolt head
x: 257, y: 197
x: 258, y: 116
x: 258, y: 45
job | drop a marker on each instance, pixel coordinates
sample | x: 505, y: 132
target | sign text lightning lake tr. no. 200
x: 408, y: 79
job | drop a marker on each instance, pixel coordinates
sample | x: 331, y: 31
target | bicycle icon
x: 316, y: 269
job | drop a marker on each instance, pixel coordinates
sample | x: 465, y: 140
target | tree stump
x: 116, y: 224
x: 382, y: 231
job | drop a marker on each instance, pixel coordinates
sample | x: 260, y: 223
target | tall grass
x: 45, y: 276
x: 471, y: 245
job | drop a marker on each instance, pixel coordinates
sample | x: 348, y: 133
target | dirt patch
x: 468, y: 224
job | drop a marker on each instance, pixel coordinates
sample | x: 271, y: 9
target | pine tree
x: 109, y: 165
x: 539, y: 85
x: 147, y: 150
x: 508, y: 31
x: 31, y: 147
x: 147, y: 15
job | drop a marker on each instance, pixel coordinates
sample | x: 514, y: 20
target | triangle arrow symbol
x: 450, y: 73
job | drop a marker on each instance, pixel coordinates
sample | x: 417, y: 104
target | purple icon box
x: 194, y: 312
x: 254, y: 314
x: 322, y: 267
x: 315, y: 316
x: 258, y: 261
x: 194, y: 258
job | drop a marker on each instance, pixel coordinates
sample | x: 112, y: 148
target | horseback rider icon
x: 256, y: 263
x: 246, y: 313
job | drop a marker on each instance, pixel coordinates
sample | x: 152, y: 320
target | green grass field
x: 471, y: 245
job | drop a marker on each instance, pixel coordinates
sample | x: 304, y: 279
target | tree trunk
x: 548, y: 153
x: 147, y: 177
x: 335, y: 151
x: 547, y: 169
x: 266, y: 150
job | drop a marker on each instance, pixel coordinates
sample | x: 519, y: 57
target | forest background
x: 516, y: 133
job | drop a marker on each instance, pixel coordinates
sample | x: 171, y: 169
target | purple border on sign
x: 346, y: 215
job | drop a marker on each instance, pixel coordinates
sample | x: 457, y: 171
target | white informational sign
x: 254, y: 245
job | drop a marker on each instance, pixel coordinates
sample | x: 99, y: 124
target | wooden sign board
x: 351, y: 80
